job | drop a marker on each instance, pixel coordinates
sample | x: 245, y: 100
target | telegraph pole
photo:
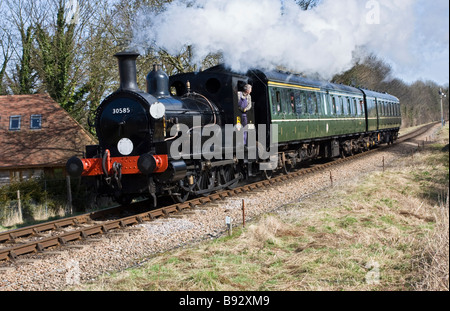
x: 442, y: 94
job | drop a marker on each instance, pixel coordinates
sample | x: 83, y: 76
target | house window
x: 14, y: 123
x: 35, y: 122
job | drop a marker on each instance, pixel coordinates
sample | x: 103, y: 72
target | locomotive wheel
x: 288, y: 166
x: 206, y: 181
x: 123, y: 199
x: 227, y: 174
x: 183, y: 192
x: 342, y: 153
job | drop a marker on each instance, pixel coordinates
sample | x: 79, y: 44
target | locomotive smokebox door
x: 238, y: 86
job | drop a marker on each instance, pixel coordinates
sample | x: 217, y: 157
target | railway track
x: 42, y: 237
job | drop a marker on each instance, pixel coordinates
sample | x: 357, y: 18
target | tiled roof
x: 59, y: 138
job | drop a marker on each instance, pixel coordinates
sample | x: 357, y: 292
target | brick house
x: 37, y: 137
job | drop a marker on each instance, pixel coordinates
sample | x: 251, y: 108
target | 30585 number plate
x: 121, y: 110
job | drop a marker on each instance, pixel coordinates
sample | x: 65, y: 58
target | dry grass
x: 434, y: 260
x: 388, y: 231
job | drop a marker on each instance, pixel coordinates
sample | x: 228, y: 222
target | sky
x: 410, y: 35
x: 430, y: 43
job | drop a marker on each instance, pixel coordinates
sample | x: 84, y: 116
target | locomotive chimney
x: 158, y: 82
x: 127, y: 70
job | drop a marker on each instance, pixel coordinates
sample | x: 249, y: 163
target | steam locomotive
x: 184, y: 136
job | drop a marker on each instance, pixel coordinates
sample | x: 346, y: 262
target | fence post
x: 229, y: 225
x: 69, y: 195
x: 243, y: 213
x: 19, y: 205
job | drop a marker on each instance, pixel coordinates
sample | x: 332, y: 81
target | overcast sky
x: 429, y: 44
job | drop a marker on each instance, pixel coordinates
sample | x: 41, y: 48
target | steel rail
x: 11, y: 235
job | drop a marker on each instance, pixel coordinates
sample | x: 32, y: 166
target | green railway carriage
x: 306, y: 109
x: 304, y: 112
x: 384, y: 111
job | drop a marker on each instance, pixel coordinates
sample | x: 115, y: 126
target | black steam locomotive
x: 184, y: 137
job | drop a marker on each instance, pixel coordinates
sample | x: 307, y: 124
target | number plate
x: 123, y: 110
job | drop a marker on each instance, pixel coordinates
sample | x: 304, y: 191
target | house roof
x: 59, y: 138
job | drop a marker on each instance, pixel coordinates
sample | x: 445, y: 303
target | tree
x: 55, y: 57
x: 5, y: 45
x: 19, y: 24
x: 26, y: 76
x: 419, y: 101
x: 307, y: 4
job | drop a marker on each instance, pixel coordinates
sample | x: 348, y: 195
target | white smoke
x: 270, y: 33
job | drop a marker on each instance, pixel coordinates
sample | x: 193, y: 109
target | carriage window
x: 307, y: 103
x: 311, y: 103
x: 324, y: 105
x: 360, y: 106
x: 298, y: 103
x: 333, y: 100
x: 285, y: 102
x: 304, y: 103
x: 341, y: 106
x: 314, y: 106
x: 319, y: 103
x: 355, y: 107
x: 372, y: 112
x: 348, y: 106
x: 292, y: 103
x: 276, y: 101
